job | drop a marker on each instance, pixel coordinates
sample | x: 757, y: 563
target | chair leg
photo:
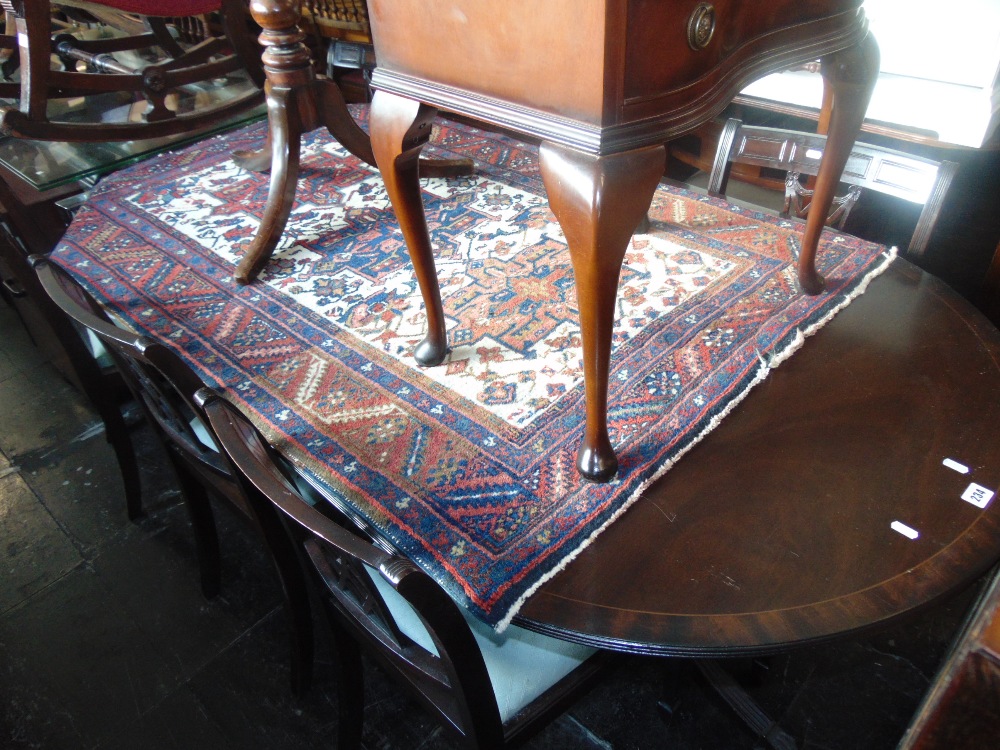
x: 295, y: 590
x: 301, y: 637
x: 206, y: 536
x: 350, y: 686
x: 117, y: 434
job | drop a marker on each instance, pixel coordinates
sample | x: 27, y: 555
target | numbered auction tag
x: 977, y: 495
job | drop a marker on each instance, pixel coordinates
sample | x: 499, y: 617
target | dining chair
x: 80, y: 358
x: 911, y: 178
x: 165, y: 386
x: 148, y: 61
x: 487, y: 690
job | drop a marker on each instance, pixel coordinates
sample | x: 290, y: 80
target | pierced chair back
x: 175, y: 48
x: 165, y: 387
x: 910, y: 178
x: 487, y: 690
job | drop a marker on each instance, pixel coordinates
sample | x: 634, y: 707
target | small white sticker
x: 905, y: 530
x: 960, y: 468
x: 977, y: 495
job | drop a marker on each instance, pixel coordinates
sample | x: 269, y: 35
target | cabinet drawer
x: 659, y: 57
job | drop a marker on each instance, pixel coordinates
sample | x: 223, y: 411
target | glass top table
x: 45, y: 165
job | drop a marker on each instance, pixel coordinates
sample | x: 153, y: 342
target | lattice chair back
x: 488, y: 690
x: 904, y: 176
x: 173, y: 47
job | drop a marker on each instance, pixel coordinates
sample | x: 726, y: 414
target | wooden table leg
x: 284, y: 139
x: 399, y: 129
x: 299, y: 101
x: 850, y: 75
x: 291, y: 111
x: 599, y: 201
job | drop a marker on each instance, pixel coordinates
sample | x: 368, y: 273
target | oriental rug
x: 468, y: 467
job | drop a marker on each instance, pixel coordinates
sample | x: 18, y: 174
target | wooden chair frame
x: 165, y: 387
x: 910, y: 178
x: 209, y: 58
x: 454, y: 685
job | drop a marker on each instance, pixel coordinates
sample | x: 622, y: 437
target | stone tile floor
x: 106, y: 641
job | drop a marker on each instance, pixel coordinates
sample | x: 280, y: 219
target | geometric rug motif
x: 467, y: 467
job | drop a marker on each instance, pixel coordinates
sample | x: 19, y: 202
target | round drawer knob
x: 701, y: 26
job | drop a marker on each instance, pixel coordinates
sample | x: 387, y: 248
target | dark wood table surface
x: 776, y: 529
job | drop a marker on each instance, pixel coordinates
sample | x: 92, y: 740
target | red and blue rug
x: 468, y: 467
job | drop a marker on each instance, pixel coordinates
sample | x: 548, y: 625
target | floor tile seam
x: 87, y: 552
x: 786, y: 711
x: 110, y: 739
x: 185, y: 683
x: 33, y: 596
x: 899, y: 659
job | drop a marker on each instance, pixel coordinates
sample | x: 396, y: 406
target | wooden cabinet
x: 962, y: 709
x: 637, y: 71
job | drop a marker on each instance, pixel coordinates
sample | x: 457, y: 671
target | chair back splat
x: 165, y: 387
x: 487, y: 690
x: 904, y: 176
x: 169, y: 48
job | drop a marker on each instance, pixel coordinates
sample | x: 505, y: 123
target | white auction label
x: 977, y: 495
x: 956, y: 466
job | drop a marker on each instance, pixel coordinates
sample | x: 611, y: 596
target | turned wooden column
x: 291, y: 111
x: 298, y: 101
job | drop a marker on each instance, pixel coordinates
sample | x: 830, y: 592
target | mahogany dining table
x: 854, y: 486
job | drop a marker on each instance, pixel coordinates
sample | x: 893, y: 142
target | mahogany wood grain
x: 604, y: 77
x: 962, y: 708
x: 775, y: 530
x: 581, y: 189
x: 400, y: 128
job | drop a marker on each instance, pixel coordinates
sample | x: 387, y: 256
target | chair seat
x: 201, y: 432
x: 97, y: 350
x: 521, y: 664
